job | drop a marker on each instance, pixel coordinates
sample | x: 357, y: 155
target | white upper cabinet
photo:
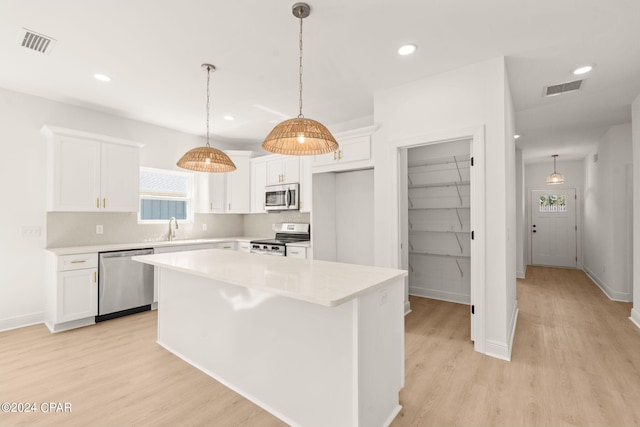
x: 258, y: 182
x: 355, y: 152
x: 227, y: 192
x: 283, y: 170
x: 275, y: 170
x: 120, y: 178
x: 91, y: 173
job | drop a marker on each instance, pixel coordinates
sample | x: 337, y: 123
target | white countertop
x: 321, y: 282
x: 140, y: 245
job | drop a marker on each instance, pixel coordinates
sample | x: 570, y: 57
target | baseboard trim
x: 502, y: 350
x: 440, y: 295
x: 521, y: 274
x: 21, y: 321
x: 407, y: 307
x: 606, y: 289
x: 635, y: 317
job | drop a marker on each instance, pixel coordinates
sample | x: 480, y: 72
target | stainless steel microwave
x: 285, y: 197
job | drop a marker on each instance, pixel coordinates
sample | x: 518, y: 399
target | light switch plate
x: 99, y: 229
x: 30, y: 231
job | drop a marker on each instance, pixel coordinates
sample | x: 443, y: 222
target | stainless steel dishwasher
x: 124, y: 286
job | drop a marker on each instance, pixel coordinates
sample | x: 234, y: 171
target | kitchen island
x: 315, y: 343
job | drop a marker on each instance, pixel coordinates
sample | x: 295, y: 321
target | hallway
x: 576, y: 361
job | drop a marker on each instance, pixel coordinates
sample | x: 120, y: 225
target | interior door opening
x: 436, y: 217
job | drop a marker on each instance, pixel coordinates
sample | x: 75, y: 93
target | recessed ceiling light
x: 516, y: 136
x: 407, y: 49
x: 582, y: 70
x: 228, y: 117
x: 102, y: 77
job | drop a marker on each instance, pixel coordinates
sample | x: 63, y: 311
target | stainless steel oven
x: 285, y: 233
x: 283, y: 197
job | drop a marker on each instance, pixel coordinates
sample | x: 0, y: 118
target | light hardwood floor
x: 576, y: 362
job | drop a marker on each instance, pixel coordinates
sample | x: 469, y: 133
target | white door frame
x: 478, y: 294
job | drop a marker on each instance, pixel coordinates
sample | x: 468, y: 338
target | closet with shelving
x: 438, y: 190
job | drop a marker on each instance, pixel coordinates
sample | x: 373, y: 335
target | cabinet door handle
x: 229, y: 207
x: 98, y: 202
x: 339, y: 154
x: 78, y: 261
x: 104, y: 203
x: 295, y: 252
x: 211, y: 206
x: 334, y: 156
x: 95, y: 277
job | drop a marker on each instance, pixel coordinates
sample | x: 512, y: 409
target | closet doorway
x: 437, y: 221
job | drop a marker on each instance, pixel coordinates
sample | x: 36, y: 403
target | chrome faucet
x: 172, y: 230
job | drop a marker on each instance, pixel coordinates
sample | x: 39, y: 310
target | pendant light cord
x: 208, y: 79
x: 300, y: 115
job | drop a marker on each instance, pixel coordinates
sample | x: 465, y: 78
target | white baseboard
x: 606, y: 289
x: 440, y: 295
x: 635, y: 316
x: 407, y: 307
x: 21, y: 321
x: 499, y: 349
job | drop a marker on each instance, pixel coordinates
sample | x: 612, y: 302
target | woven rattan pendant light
x: 300, y: 136
x: 555, y: 177
x: 207, y: 158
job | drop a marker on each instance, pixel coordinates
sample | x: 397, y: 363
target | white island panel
x: 310, y: 363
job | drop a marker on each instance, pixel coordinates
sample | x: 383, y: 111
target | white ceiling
x: 153, y: 51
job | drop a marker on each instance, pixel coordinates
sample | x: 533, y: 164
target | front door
x: 553, y: 227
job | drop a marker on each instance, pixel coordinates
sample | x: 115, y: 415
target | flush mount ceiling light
x: 582, y: 70
x: 228, y: 117
x: 516, y: 136
x: 555, y: 177
x: 207, y: 158
x: 102, y: 77
x: 300, y: 136
x: 407, y: 49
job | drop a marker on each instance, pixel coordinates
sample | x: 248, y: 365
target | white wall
x: 510, y: 224
x: 606, y: 206
x: 521, y: 222
x: 473, y: 97
x: 23, y: 172
x: 343, y: 217
x: 535, y: 178
x: 635, y: 118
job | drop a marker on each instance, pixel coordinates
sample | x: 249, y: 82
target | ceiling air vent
x: 34, y: 41
x: 563, y: 88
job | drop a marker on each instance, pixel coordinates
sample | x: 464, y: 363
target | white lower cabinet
x: 296, y: 252
x: 244, y: 246
x: 72, y: 300
x: 227, y: 245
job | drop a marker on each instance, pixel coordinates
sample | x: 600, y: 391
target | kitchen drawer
x: 296, y: 252
x: 227, y: 245
x: 244, y: 246
x: 77, y: 262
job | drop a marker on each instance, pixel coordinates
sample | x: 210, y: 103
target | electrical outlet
x: 99, y: 229
x: 204, y: 227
